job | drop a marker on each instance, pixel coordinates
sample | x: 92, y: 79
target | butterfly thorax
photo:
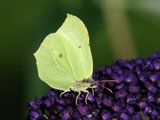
x: 83, y: 85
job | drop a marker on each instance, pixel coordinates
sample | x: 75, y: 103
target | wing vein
x: 67, y: 54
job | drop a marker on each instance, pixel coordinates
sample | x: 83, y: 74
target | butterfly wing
x: 74, y: 29
x: 65, y: 56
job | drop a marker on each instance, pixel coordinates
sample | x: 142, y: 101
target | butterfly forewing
x: 75, y: 30
x: 64, y: 57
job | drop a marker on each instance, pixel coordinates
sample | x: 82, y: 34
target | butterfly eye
x: 79, y: 46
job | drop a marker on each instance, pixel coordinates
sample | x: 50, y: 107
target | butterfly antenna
x: 104, y: 81
x: 104, y: 87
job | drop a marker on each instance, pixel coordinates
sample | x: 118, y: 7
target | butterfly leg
x: 86, y: 91
x: 45, y: 117
x: 77, y: 97
x: 92, y: 91
x: 64, y: 92
x: 92, y: 87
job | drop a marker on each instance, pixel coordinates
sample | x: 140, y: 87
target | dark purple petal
x: 142, y: 103
x: 155, y: 55
x: 59, y: 108
x: 108, y: 101
x: 153, y: 77
x: 91, y: 97
x: 138, y: 70
x: 76, y: 115
x: 137, y: 116
x: 116, y: 116
x: 134, y: 89
x: 60, y: 101
x: 131, y: 99
x: 158, y: 100
x: 95, y: 112
x: 115, y: 76
x: 142, y: 77
x: 34, y: 115
x: 52, y: 117
x: 51, y: 93
x: 151, y: 87
x: 120, y: 86
x: 155, y: 112
x: 130, y: 78
x: 83, y: 109
x: 148, y: 110
x: 157, y: 65
x: 127, y: 64
x: 67, y: 113
x: 33, y: 104
x: 151, y: 98
x: 108, y: 70
x: 138, y: 61
x: 120, y: 94
x: 47, y: 103
x: 106, y: 115
x: 148, y: 65
x: 117, y: 107
x: 124, y: 116
x: 130, y: 109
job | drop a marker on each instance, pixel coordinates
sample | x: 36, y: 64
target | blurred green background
x: 118, y: 29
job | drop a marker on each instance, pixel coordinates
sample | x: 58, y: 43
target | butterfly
x: 64, y: 58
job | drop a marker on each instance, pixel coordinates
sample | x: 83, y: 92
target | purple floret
x: 135, y: 91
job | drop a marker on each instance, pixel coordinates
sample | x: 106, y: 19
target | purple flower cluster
x: 136, y: 90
